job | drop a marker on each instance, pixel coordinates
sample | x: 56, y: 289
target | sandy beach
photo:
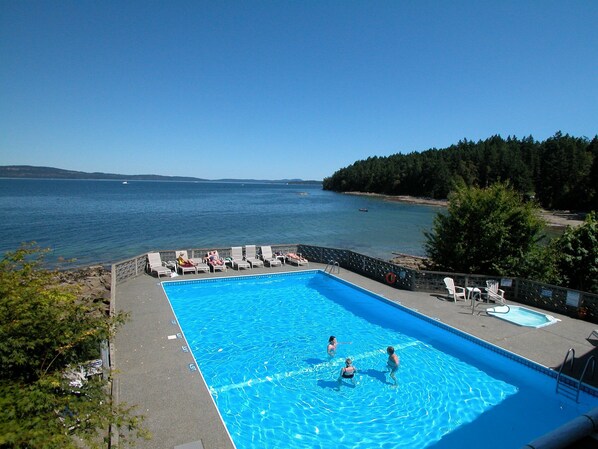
x: 556, y: 219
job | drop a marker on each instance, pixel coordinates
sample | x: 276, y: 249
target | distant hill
x: 29, y: 171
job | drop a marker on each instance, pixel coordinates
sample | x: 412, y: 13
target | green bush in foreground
x: 44, y: 329
x: 491, y: 231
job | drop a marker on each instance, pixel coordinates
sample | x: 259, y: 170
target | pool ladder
x: 591, y: 361
x: 332, y: 265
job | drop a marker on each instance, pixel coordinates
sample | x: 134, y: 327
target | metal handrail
x: 558, y: 377
x: 332, y: 264
x: 593, y: 360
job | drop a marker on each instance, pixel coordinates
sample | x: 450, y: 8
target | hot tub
x: 522, y: 316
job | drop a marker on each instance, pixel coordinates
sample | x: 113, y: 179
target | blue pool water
x: 260, y: 342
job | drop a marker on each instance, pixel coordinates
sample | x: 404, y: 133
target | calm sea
x: 106, y: 221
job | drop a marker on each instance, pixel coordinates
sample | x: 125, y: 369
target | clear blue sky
x: 285, y: 89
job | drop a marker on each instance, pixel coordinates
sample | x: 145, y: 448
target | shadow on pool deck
x: 156, y: 374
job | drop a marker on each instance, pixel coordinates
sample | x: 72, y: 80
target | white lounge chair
x: 184, y: 268
x: 155, y: 265
x: 454, y: 291
x: 200, y: 264
x: 268, y: 258
x: 296, y: 259
x: 236, y: 254
x: 251, y: 257
x: 215, y: 261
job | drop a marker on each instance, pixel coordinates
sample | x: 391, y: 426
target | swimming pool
x: 522, y: 316
x: 260, y: 342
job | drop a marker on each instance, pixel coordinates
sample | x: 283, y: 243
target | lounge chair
x: 268, y: 258
x: 251, y: 257
x: 454, y: 291
x: 154, y: 265
x: 200, y: 264
x: 184, y: 264
x: 296, y: 259
x: 215, y: 261
x: 493, y: 293
x: 491, y: 296
x: 236, y: 254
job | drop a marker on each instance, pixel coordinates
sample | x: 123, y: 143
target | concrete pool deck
x: 155, y: 373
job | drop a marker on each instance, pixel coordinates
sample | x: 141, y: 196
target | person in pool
x: 332, y: 344
x: 347, y: 372
x: 392, y: 363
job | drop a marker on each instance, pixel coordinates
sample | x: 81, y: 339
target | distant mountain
x: 29, y: 171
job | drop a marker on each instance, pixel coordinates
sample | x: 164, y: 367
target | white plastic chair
x: 236, y: 254
x: 268, y: 258
x: 251, y: 257
x: 494, y: 293
x: 455, y: 292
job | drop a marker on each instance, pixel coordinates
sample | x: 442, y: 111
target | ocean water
x: 107, y: 221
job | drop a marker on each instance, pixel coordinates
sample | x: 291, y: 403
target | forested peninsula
x: 560, y: 172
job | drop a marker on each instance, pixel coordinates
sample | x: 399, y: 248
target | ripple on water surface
x: 261, y: 345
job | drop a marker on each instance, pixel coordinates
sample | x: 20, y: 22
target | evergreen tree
x: 561, y: 173
x: 491, y: 231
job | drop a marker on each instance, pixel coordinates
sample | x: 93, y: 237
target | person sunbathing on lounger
x: 185, y: 262
x: 214, y: 258
x: 296, y: 257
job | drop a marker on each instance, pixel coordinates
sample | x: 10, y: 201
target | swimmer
x: 392, y: 363
x: 347, y: 372
x: 332, y: 344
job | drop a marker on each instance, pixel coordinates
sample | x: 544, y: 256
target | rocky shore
x: 409, y: 261
x: 403, y: 199
x: 556, y: 219
x: 94, y: 283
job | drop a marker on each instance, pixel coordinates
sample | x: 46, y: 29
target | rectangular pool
x: 260, y: 343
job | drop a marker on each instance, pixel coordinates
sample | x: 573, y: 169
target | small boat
x: 125, y: 182
x: 363, y: 209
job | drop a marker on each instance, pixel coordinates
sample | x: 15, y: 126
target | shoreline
x: 402, y: 199
x: 554, y: 219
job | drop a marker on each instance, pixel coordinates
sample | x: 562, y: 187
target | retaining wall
x: 543, y: 296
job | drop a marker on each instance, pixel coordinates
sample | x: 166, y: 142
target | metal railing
x: 332, y: 266
x: 558, y: 377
